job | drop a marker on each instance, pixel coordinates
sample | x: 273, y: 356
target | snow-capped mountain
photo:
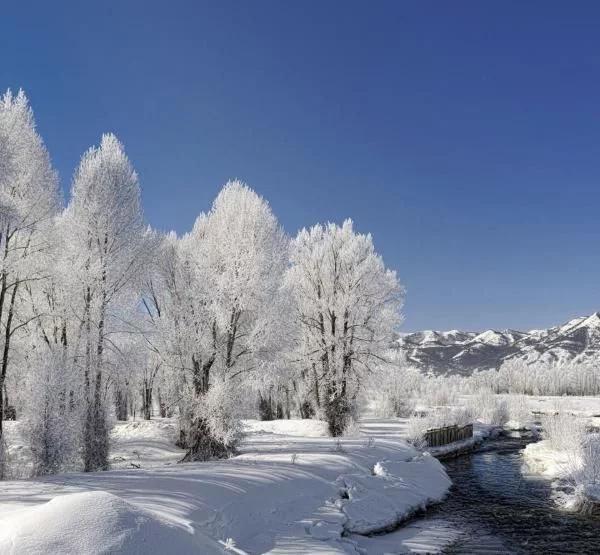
x: 462, y: 352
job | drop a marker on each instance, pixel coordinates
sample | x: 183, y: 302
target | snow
x: 94, y: 522
x: 574, y: 468
x: 492, y: 337
x: 422, y: 536
x: 144, y: 443
x: 592, y: 321
x: 542, y: 459
x: 292, y: 427
x: 284, y: 493
x: 394, y: 491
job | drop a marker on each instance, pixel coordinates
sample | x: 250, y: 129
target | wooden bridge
x: 449, y: 434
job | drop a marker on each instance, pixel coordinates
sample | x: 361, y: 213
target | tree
x: 29, y: 199
x: 224, y: 280
x: 347, y: 306
x: 107, y: 251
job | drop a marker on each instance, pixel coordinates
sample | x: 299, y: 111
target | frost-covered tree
x: 223, y: 281
x: 394, y: 388
x: 29, y: 199
x: 107, y: 251
x: 50, y: 387
x: 347, y: 306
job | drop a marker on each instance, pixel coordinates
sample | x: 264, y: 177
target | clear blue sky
x: 464, y: 135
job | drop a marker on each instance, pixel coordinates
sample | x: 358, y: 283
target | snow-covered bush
x: 588, y: 474
x: 352, y: 428
x: 489, y: 408
x: 220, y: 412
x: 438, y: 391
x: 415, y: 430
x: 393, y: 404
x: 518, y: 410
x: 563, y: 431
x: 215, y: 427
x: 50, y: 418
x: 393, y: 389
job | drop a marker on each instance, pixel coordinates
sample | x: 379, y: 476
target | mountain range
x: 462, y: 352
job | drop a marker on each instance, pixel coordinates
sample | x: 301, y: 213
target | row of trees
x: 540, y: 378
x: 102, y: 316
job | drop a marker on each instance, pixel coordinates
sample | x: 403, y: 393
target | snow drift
x: 94, y: 522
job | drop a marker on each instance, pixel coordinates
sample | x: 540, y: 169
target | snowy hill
x: 462, y: 352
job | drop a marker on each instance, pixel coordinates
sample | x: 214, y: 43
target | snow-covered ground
x: 586, y: 407
x: 144, y: 443
x: 551, y: 463
x: 290, y: 490
x: 572, y: 490
x: 568, y: 454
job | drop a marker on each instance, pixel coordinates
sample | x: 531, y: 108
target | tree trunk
x: 121, y: 405
x: 202, y: 445
x: 147, y: 393
x: 7, y: 336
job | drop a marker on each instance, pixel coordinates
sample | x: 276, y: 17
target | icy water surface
x: 504, y: 510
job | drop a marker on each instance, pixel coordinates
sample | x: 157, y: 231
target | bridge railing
x: 449, y: 434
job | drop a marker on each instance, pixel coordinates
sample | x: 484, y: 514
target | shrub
x: 215, y: 428
x: 518, y: 409
x: 563, y: 431
x: 589, y: 472
x: 489, y: 408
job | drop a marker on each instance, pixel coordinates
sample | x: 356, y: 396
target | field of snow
x: 290, y: 490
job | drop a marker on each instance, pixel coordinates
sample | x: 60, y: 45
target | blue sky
x: 464, y: 135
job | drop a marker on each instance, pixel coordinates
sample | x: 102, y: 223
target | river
x: 501, y: 509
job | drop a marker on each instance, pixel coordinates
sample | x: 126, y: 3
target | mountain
x: 459, y: 352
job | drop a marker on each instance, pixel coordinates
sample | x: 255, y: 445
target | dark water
x: 504, y: 510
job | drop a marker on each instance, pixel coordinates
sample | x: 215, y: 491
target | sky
x: 465, y: 136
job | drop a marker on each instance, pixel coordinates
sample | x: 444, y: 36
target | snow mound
x: 395, y: 490
x: 292, y: 427
x: 94, y: 522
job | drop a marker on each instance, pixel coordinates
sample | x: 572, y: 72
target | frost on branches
x: 102, y: 318
x: 103, y: 233
x: 347, y: 306
x: 222, y: 282
x: 29, y: 200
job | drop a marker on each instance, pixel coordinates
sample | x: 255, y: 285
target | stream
x: 502, y: 509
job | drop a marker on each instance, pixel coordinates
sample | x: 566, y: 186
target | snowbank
x: 575, y: 472
x: 542, y: 459
x: 94, y: 522
x: 395, y: 491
